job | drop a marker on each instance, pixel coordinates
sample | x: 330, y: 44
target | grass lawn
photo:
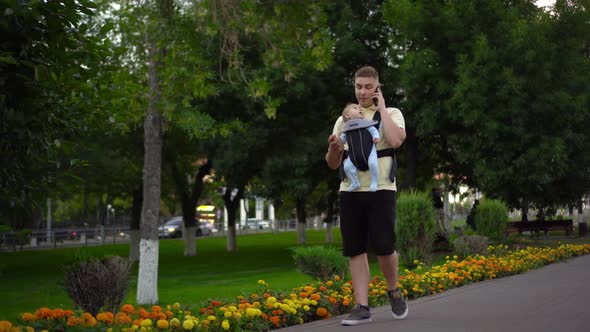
x: 32, y: 279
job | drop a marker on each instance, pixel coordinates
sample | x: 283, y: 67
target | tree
x: 483, y: 79
x: 48, y: 48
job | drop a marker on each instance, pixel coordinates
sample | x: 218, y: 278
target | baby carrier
x: 360, y: 143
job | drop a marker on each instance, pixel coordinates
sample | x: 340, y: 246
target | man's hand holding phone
x: 378, y: 99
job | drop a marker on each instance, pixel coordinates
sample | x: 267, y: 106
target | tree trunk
x: 525, y: 210
x: 147, y: 281
x: 232, y: 204
x: 332, y: 196
x: 301, y: 221
x: 134, y: 235
x: 411, y: 161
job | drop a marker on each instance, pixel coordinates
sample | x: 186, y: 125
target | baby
x: 354, y: 132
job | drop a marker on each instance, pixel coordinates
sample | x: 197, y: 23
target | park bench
x: 537, y: 226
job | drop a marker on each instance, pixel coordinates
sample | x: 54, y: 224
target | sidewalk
x: 553, y: 298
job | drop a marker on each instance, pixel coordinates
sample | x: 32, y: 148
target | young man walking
x: 368, y: 218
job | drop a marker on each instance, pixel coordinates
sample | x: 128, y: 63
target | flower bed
x: 268, y: 309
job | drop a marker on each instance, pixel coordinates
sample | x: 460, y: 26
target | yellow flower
x: 225, y: 325
x: 271, y: 299
x: 188, y: 325
x: 261, y: 282
x: 174, y: 322
x: 227, y: 314
x: 211, y: 318
x: 306, y: 308
x: 232, y: 308
x: 176, y: 306
x: 146, y: 323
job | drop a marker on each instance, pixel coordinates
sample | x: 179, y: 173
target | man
x: 368, y: 218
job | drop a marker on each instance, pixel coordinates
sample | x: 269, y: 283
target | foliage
x: 490, y: 219
x: 415, y: 226
x: 321, y: 263
x: 98, y: 284
x: 497, y: 96
x: 469, y: 245
x: 51, y: 53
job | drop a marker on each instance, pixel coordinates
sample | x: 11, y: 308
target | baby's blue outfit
x: 351, y: 171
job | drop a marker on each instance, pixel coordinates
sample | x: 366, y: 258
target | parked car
x: 174, y: 226
x: 256, y: 224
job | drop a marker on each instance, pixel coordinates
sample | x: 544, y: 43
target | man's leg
x: 359, y: 270
x: 389, y: 268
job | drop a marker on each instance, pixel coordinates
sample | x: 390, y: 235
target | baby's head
x: 352, y: 111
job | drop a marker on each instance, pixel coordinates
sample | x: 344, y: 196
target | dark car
x: 173, y: 228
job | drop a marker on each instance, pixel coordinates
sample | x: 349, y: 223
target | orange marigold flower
x: 169, y: 314
x: 43, y: 313
x: 266, y: 295
x: 162, y: 324
x: 127, y: 308
x: 322, y: 312
x: 333, y: 300
x: 123, y: 318
x: 315, y: 297
x: 275, y: 320
x: 265, y: 316
x: 323, y: 288
x: 27, y: 317
x: 105, y: 317
x: 337, y: 277
x: 156, y: 308
x: 143, y: 313
x: 5, y: 325
x: 215, y: 303
x: 74, y: 321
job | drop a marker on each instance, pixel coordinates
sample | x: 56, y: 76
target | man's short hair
x: 367, y: 71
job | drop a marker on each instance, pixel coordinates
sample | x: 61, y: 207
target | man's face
x: 364, y: 88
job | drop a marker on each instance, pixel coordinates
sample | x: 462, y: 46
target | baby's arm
x: 374, y: 133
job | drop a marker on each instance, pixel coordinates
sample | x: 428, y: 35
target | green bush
x: 469, y: 245
x: 415, y: 227
x: 490, y: 219
x: 321, y: 263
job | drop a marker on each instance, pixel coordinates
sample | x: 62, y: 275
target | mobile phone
x: 375, y: 99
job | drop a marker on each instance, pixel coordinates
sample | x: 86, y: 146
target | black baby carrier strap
x: 360, y: 143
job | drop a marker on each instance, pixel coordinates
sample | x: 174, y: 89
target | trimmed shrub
x: 469, y: 245
x: 319, y: 262
x: 99, y: 283
x: 415, y: 227
x: 490, y: 219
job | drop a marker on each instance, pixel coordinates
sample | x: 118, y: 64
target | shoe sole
x: 356, y: 322
x: 402, y: 316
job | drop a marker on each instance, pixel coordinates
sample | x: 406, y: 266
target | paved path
x: 554, y: 298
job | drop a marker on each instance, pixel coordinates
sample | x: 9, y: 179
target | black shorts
x: 367, y: 218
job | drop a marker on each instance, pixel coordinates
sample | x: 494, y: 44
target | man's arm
x: 392, y: 133
x: 334, y: 154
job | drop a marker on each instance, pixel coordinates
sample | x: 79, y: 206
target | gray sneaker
x: 399, y: 307
x: 358, y: 315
